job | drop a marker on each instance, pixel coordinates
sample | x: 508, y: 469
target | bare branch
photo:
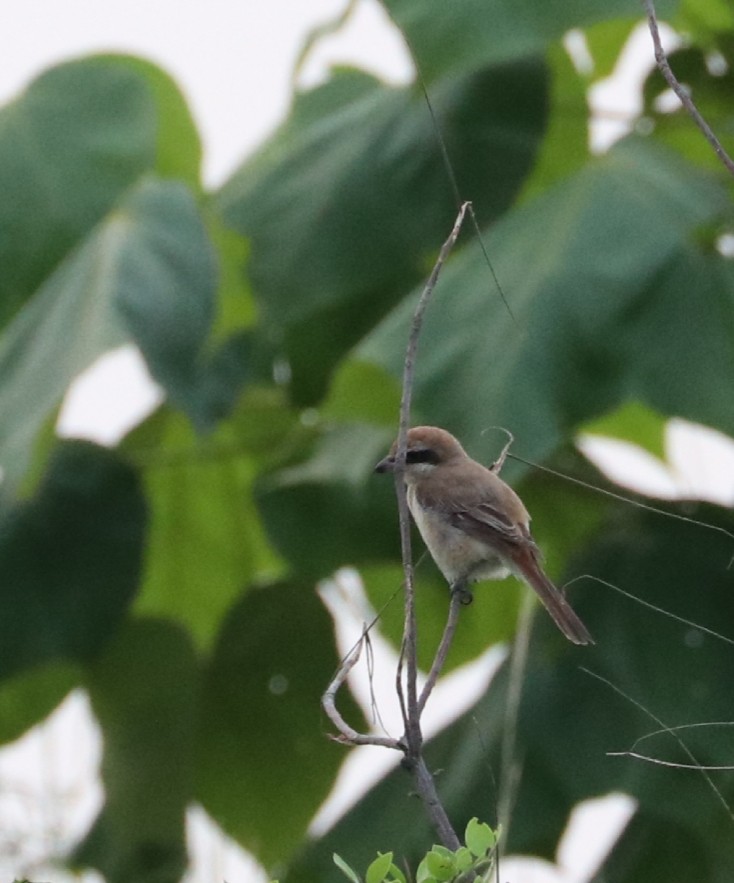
x: 411, y: 705
x: 426, y: 788
x: 443, y: 650
x: 685, y: 98
x: 347, y: 734
x: 413, y: 734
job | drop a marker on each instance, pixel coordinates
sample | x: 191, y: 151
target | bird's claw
x: 464, y: 595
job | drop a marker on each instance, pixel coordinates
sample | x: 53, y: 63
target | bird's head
x: 428, y: 447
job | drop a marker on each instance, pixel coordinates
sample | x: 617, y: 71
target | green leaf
x: 344, y: 867
x: 70, y: 558
x: 479, y: 837
x: 635, y: 423
x: 71, y: 144
x: 355, y: 523
x: 147, y: 274
x: 29, y: 697
x: 262, y: 691
x: 362, y: 392
x: 440, y: 865
x: 205, y: 541
x: 144, y: 692
x: 464, y: 859
x: 599, y: 270
x: 605, y: 42
x: 565, y: 147
x: 378, y: 869
x: 307, y: 199
x: 492, y: 31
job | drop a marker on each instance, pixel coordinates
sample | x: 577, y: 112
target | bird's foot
x: 464, y: 595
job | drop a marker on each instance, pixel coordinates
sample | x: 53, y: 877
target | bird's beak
x: 387, y: 464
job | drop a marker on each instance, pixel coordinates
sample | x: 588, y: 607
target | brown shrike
x: 475, y: 525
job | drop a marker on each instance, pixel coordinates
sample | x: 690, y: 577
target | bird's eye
x: 421, y: 455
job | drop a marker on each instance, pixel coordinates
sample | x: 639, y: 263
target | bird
x: 474, y: 525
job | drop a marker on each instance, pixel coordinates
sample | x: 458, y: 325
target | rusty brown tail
x: 528, y: 568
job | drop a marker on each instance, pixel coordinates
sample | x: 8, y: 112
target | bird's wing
x: 488, y: 523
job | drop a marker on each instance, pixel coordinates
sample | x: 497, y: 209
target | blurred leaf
x: 205, y: 541
x: 71, y: 145
x: 467, y: 34
x: 329, y: 202
x: 605, y: 41
x: 635, y: 423
x: 29, y: 697
x: 705, y: 17
x: 146, y: 274
x: 362, y: 391
x: 144, y: 692
x: 565, y: 147
x: 569, y: 721
x: 354, y: 507
x: 262, y: 726
x: 70, y: 558
x: 600, y: 271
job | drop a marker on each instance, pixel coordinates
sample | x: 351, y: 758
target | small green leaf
x: 378, y: 869
x: 480, y: 838
x: 345, y: 869
x: 440, y: 862
x: 396, y: 875
x: 464, y: 858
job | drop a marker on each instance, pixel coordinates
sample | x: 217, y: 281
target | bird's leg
x: 500, y: 461
x: 460, y: 587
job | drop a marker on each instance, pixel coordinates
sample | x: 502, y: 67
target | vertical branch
x: 411, y: 714
x: 685, y: 99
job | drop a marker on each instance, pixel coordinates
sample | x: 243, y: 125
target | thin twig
x: 347, y: 734
x: 443, y: 650
x: 666, y: 729
x: 682, y: 93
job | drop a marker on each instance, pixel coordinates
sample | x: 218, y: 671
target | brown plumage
x: 475, y: 525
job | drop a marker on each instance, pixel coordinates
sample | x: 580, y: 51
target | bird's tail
x: 526, y: 565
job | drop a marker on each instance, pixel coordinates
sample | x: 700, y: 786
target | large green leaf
x: 354, y: 523
x: 329, y: 202
x: 144, y: 692
x: 70, y: 559
x: 467, y: 34
x: 71, y: 144
x: 569, y: 720
x: 147, y: 274
x: 205, y: 541
x: 601, y: 274
x: 265, y: 762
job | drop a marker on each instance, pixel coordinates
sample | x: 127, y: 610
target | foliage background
x: 173, y: 576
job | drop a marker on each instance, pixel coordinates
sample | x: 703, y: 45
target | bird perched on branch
x: 475, y: 525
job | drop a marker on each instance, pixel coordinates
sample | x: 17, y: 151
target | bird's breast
x: 457, y: 555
